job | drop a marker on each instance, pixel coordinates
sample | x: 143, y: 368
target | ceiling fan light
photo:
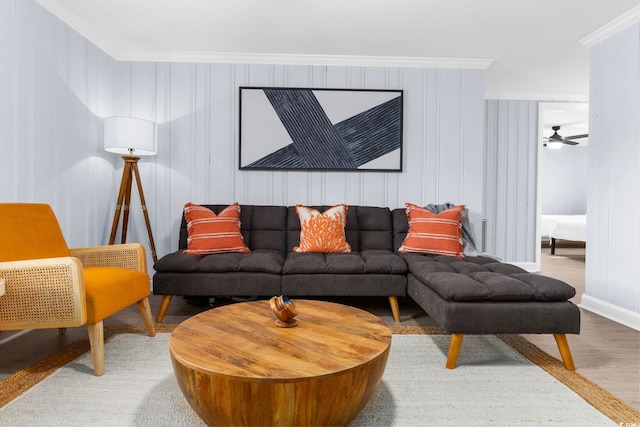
x: 554, y: 145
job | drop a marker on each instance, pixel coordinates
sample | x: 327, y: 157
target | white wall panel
x: 474, y: 151
x: 613, y: 207
x: 510, y: 179
x: 57, y: 86
x: 7, y: 105
x: 564, y: 181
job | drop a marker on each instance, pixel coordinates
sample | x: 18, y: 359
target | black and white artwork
x: 320, y: 129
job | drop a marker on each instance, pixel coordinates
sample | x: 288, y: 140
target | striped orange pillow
x: 430, y: 233
x: 322, y: 232
x: 208, y: 233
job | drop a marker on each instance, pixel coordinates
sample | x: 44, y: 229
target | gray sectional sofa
x: 472, y: 295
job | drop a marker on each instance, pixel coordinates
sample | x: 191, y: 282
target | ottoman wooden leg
x: 563, y: 346
x: 454, y: 349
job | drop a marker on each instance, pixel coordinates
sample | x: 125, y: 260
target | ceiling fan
x: 556, y: 141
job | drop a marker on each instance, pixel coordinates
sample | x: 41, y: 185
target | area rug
x: 498, y: 381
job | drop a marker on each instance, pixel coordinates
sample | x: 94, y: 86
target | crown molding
x: 613, y: 27
x: 302, y: 59
x: 119, y: 52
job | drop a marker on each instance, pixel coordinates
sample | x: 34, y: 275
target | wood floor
x: 605, y: 352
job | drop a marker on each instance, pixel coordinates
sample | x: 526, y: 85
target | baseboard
x: 610, y: 311
x: 531, y: 267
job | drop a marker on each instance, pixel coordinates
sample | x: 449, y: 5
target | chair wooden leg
x: 163, y: 308
x: 454, y: 349
x: 565, y: 352
x: 96, y: 340
x: 145, y: 311
x: 395, y: 308
x: 62, y: 331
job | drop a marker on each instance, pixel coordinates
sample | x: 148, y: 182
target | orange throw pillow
x: 322, y: 232
x: 430, y: 233
x: 208, y: 233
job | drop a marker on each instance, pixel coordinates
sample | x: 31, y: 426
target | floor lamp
x: 132, y: 138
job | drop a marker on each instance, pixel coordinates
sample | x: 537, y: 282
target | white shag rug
x: 493, y: 385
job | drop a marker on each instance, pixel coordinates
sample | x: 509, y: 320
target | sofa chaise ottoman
x: 480, y: 295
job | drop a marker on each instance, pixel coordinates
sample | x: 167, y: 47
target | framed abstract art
x: 320, y: 129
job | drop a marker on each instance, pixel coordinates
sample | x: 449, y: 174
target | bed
x: 563, y: 227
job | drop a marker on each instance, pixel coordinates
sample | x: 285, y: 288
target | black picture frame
x: 311, y: 129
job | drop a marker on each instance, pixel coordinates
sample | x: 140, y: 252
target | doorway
x: 563, y: 129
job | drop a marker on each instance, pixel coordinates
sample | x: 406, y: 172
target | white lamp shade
x: 123, y: 134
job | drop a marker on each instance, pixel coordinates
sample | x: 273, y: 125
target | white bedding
x: 565, y: 227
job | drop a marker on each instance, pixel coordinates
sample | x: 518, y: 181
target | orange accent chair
x: 44, y: 284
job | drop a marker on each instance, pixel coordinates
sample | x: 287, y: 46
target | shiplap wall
x: 511, y: 138
x: 197, y: 108
x: 613, y: 207
x: 563, y: 180
x: 56, y: 88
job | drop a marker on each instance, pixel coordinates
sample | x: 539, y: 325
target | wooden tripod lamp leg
x: 127, y: 202
x: 145, y: 212
x: 125, y: 192
x: 130, y: 172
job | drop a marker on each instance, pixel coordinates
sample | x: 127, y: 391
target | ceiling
x: 531, y: 49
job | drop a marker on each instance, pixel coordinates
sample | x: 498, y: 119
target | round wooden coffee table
x: 236, y: 367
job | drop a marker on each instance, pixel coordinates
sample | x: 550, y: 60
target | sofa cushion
x: 322, y: 232
x: 483, y: 279
x: 320, y: 263
x: 258, y: 261
x: 369, y: 262
x: 383, y: 262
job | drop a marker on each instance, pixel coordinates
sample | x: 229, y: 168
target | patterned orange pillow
x: 322, y: 232
x: 430, y: 233
x: 208, y: 233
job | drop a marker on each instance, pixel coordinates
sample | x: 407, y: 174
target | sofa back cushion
x: 367, y: 228
x: 262, y: 227
x: 400, y: 227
